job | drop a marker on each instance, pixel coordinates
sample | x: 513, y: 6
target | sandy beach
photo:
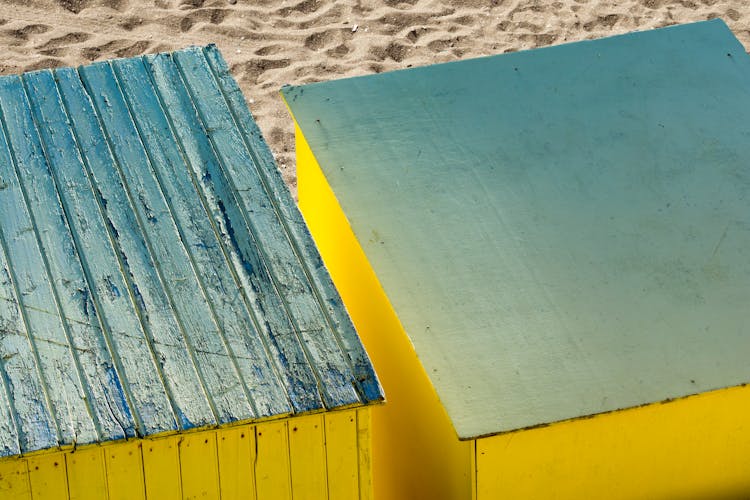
x: 269, y: 43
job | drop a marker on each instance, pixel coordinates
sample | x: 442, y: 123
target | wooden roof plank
x: 167, y: 241
x: 127, y: 363
x: 223, y: 291
x: 102, y: 390
x: 34, y: 270
x: 333, y: 370
x: 188, y: 406
x: 326, y: 293
x: 29, y: 424
x: 302, y: 386
x: 269, y: 389
x: 9, y: 439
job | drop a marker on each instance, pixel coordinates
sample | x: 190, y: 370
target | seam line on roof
x: 233, y: 272
x: 21, y: 309
x: 91, y: 290
x: 3, y: 372
x: 25, y: 196
x: 289, y: 234
x: 105, y: 327
x: 135, y: 411
x: 252, y: 231
x: 181, y: 234
x: 157, y: 267
x: 55, y: 293
x: 128, y: 279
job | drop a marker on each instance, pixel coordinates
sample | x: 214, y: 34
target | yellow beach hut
x: 167, y: 328
x: 547, y: 254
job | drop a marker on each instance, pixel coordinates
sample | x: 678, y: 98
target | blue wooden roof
x: 155, y: 274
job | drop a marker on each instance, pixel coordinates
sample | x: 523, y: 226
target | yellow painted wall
x: 318, y: 457
x: 416, y: 454
x: 688, y: 449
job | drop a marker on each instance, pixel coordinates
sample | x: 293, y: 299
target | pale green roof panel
x: 562, y: 231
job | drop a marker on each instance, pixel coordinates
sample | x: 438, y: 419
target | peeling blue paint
x: 146, y: 248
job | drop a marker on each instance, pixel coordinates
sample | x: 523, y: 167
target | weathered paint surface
x: 155, y: 274
x: 275, y: 460
x: 561, y: 232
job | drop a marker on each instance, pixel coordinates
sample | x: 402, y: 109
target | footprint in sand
x: 21, y: 35
x: 76, y: 6
x: 120, y: 48
x: 322, y: 39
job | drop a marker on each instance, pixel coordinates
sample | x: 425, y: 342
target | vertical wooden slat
x: 161, y: 467
x: 272, y: 477
x: 87, y: 474
x: 236, y: 451
x: 312, y: 457
x: 125, y: 471
x: 199, y: 465
x: 48, y: 477
x: 341, y: 455
x: 307, y: 454
x: 364, y: 448
x: 14, y: 479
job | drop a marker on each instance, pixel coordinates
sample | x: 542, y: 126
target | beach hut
x: 167, y: 328
x: 547, y: 256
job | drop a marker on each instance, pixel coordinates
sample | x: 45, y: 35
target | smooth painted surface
x: 690, y: 449
x: 155, y: 274
x: 265, y: 461
x: 561, y: 232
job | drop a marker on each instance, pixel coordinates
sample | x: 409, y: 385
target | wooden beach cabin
x: 547, y: 254
x: 167, y: 328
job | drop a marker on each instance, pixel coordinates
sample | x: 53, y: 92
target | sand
x: 269, y: 43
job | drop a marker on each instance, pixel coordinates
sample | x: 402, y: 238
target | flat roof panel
x: 563, y: 231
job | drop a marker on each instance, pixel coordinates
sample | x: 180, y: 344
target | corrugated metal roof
x: 562, y: 231
x: 155, y: 274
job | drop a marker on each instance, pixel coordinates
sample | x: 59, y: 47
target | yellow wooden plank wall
x: 688, y: 449
x: 316, y: 457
